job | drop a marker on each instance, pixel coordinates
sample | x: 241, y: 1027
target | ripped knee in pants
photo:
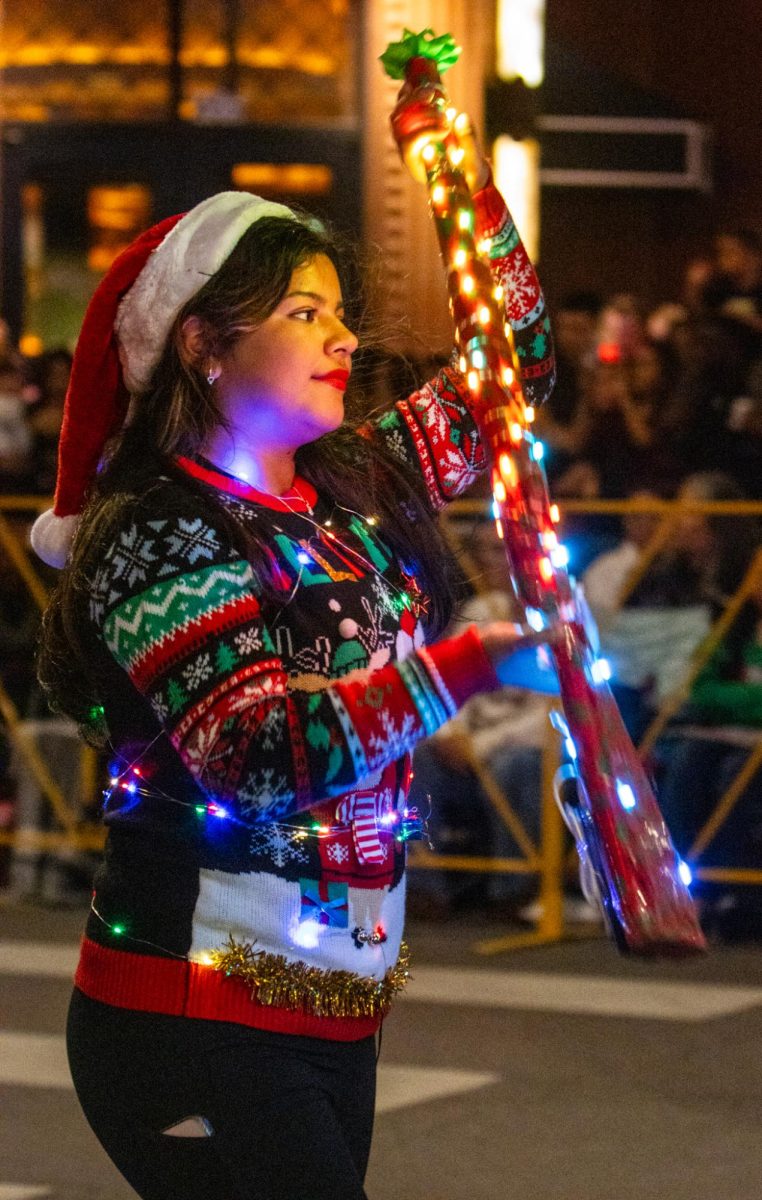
x: 190, y: 1127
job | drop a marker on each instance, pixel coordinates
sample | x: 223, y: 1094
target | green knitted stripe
x: 423, y: 695
x: 504, y: 241
x: 139, y: 623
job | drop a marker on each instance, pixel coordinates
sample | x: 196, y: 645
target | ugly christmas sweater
x: 256, y: 812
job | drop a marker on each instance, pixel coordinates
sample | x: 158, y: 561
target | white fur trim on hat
x: 178, y: 268
x: 52, y: 536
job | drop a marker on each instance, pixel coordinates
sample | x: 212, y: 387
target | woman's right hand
x: 502, y: 638
x: 512, y: 651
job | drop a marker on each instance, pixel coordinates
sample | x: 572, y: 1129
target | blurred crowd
x: 647, y: 397
x: 650, y: 405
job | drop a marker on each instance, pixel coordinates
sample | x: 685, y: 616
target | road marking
x: 399, y: 1087
x: 536, y: 991
x: 22, y: 1191
x: 39, y: 1060
x: 586, y: 994
x: 33, y: 1060
x: 38, y: 958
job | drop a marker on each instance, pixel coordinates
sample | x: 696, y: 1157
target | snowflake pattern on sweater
x: 293, y: 719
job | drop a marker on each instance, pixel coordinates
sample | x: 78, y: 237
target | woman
x: 247, y: 600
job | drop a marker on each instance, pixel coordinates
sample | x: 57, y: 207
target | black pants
x: 290, y: 1117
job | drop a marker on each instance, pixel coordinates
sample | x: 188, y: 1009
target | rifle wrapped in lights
x: 628, y: 860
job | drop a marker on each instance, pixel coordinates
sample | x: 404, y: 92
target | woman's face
x: 282, y: 385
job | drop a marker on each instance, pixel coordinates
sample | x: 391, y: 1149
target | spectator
x: 710, y: 376
x: 648, y: 638
x: 45, y: 417
x: 15, y: 436
x: 709, y: 742
x: 462, y: 819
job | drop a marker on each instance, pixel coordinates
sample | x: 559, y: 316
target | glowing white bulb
x: 306, y: 934
x: 559, y: 556
x: 535, y: 619
x: 685, y: 873
x: 626, y: 795
x: 538, y: 451
x: 478, y: 359
x: 600, y: 670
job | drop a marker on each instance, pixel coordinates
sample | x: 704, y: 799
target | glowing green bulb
x: 201, y: 809
x: 117, y: 929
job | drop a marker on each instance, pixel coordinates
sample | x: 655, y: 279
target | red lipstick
x: 338, y: 379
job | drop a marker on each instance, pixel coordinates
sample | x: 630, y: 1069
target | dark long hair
x: 176, y: 416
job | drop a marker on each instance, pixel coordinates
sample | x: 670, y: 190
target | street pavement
x: 562, y: 1073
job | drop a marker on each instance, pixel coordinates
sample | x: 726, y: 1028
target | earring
x: 212, y: 377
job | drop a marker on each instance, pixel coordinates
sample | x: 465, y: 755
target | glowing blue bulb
x: 559, y: 556
x: 685, y: 873
x: 303, y: 557
x: 496, y: 510
x: 131, y: 787
x: 218, y: 811
x: 571, y: 749
x: 538, y: 450
x: 626, y: 795
x: 600, y: 670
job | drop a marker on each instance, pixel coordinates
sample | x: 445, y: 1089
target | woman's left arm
x: 434, y: 431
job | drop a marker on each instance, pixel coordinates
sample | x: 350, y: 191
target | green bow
x: 443, y: 50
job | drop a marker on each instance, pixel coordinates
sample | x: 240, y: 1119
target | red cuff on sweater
x: 464, y: 665
x: 489, y: 209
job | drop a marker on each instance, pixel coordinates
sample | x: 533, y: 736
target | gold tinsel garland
x: 282, y: 984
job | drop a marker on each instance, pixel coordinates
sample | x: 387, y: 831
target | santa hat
x: 122, y: 339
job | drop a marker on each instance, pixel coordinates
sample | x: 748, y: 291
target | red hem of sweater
x: 179, y: 988
x: 489, y: 209
x: 464, y: 665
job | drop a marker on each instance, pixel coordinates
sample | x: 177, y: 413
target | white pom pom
x: 51, y: 538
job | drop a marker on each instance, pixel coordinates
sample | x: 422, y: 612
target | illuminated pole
x: 614, y: 815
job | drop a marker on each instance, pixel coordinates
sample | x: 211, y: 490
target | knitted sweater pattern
x: 227, y: 892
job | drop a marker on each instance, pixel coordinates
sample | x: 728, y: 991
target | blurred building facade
x: 117, y: 115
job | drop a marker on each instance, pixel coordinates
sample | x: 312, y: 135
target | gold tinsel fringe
x: 282, y: 984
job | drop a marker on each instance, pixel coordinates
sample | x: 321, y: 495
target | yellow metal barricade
x: 548, y: 860
x: 545, y: 858
x: 27, y: 737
